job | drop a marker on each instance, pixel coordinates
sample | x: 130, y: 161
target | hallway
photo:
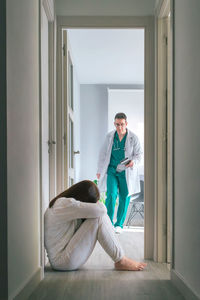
x: 21, y: 193
x: 97, y: 279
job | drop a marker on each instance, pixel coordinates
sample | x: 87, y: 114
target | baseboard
x: 182, y: 286
x: 28, y: 286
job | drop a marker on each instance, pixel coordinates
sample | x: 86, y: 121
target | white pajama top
x: 63, y: 219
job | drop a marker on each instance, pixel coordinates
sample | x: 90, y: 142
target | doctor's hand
x: 129, y: 165
x: 98, y: 175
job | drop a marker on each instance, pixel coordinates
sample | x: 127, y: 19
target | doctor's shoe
x: 118, y: 229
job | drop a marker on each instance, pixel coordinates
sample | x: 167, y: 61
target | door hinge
x: 165, y: 39
x: 64, y: 138
x: 64, y: 49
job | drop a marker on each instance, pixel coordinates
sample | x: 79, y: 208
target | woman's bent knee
x: 65, y: 266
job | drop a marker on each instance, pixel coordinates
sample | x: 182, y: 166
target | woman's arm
x: 73, y: 209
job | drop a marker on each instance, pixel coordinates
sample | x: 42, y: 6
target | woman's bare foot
x: 128, y: 264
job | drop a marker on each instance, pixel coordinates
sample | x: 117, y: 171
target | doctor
x: 119, y: 144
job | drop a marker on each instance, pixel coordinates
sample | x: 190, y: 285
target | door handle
x: 51, y: 143
x: 76, y: 152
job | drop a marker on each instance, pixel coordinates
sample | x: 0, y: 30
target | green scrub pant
x: 117, y: 182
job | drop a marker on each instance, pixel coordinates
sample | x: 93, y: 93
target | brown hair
x: 121, y: 115
x: 84, y: 191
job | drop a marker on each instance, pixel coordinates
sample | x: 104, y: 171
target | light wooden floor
x: 97, y: 280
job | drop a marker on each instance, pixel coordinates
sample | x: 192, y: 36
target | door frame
x: 164, y: 134
x: 48, y: 7
x: 147, y: 23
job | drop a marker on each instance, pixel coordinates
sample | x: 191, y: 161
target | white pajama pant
x: 84, y: 240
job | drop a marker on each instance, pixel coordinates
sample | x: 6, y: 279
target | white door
x: 45, y: 109
x: 68, y: 114
x: 44, y: 117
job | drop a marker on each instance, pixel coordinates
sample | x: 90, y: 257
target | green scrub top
x: 117, y: 154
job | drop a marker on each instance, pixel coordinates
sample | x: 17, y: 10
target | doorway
x: 110, y: 77
x: 149, y: 116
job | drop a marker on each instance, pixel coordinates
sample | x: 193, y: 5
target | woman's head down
x: 84, y: 191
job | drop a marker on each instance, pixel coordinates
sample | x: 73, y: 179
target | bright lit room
x: 108, y: 75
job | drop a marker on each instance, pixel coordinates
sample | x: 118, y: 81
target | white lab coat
x: 132, y: 150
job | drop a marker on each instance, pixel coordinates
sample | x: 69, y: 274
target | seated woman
x: 73, y: 222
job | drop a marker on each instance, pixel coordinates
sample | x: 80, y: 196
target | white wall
x: 131, y: 102
x: 105, y: 8
x: 22, y: 142
x: 94, y: 126
x: 187, y: 143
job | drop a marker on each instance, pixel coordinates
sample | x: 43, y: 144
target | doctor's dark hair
x: 84, y: 191
x: 121, y: 115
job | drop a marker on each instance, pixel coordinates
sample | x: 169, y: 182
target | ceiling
x: 105, y: 7
x: 108, y: 56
